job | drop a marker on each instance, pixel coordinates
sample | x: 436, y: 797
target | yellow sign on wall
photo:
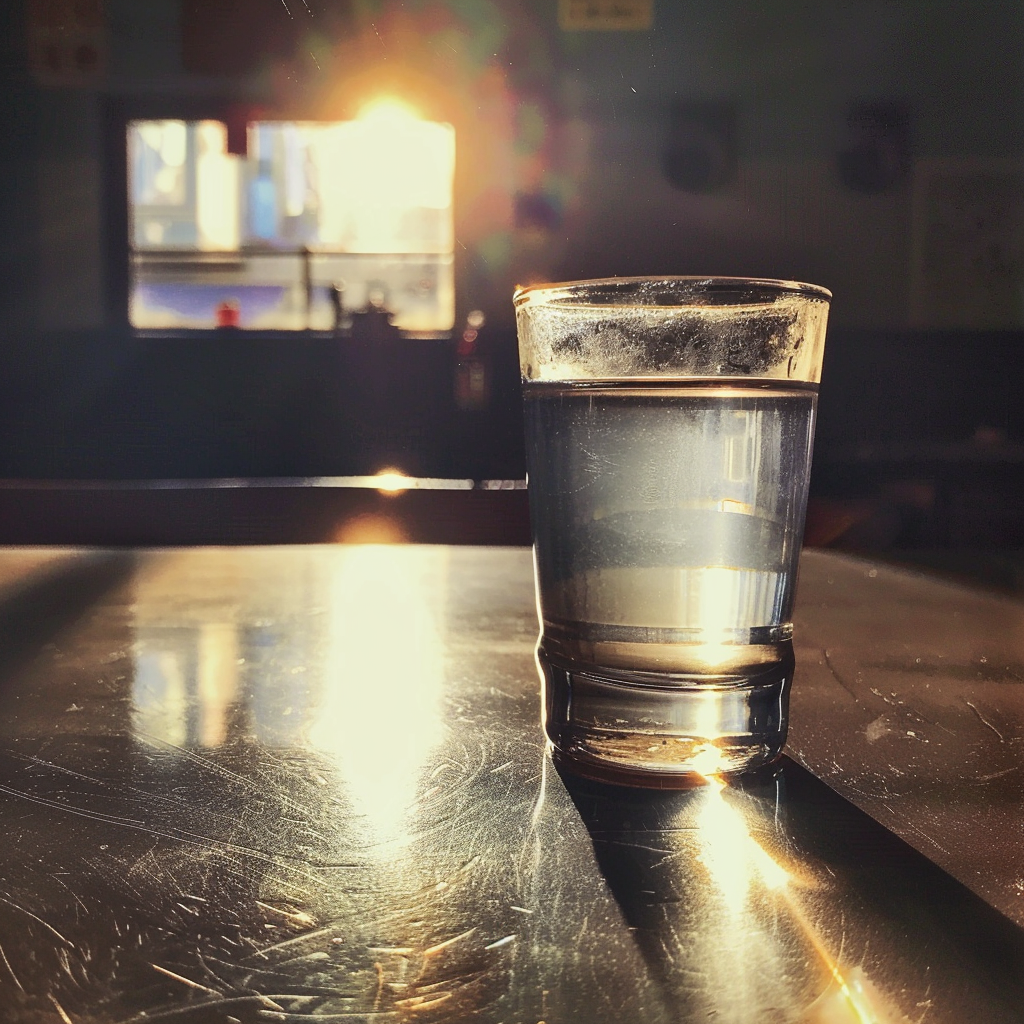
x: 605, y: 15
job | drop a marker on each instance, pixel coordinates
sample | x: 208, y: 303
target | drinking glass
x: 669, y: 425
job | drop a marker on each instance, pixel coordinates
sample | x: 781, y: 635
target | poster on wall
x: 67, y: 42
x: 605, y: 15
x: 967, y: 268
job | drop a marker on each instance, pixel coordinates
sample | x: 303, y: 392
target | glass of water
x: 669, y: 424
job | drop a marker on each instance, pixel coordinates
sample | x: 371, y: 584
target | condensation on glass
x: 315, y: 215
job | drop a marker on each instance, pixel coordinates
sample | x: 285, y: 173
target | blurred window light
x: 315, y: 222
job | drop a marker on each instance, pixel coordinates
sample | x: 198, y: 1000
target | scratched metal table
x: 308, y: 784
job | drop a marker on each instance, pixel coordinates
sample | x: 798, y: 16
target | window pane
x: 364, y: 206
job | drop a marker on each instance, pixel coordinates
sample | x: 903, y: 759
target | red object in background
x: 467, y: 343
x: 229, y: 315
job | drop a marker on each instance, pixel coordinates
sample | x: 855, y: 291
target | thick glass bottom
x: 672, y: 729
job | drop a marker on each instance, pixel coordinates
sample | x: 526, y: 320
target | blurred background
x: 278, y: 238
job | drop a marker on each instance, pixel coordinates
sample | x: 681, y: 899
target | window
x: 314, y: 217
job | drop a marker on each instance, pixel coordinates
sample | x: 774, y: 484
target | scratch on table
x: 35, y: 917
x: 220, y: 1003
x: 638, y: 846
x: 10, y: 969
x: 65, y: 962
x: 925, y: 836
x: 380, y: 985
x: 60, y: 1009
x: 473, y: 861
x: 119, y: 786
x: 297, y: 938
x: 178, y: 834
x: 984, y: 720
x: 218, y: 769
x: 417, y: 1003
x: 836, y: 676
x: 433, y: 950
x: 70, y: 890
x: 317, y: 956
x: 184, y: 980
x: 213, y: 974
x: 246, y: 969
x: 297, y: 917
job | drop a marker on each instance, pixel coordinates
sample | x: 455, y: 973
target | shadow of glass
x: 774, y: 899
x: 696, y: 874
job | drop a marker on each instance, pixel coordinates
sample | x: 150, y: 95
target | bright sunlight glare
x: 392, y: 481
x: 387, y: 109
x: 735, y: 863
x: 385, y: 166
x: 733, y: 858
x: 381, y: 714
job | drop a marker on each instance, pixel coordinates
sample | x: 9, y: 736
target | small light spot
x: 391, y: 481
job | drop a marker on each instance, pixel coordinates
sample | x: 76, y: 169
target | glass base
x: 672, y: 730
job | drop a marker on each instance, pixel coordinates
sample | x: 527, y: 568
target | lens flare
x: 388, y: 109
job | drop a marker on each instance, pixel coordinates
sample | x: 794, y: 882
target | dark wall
x: 573, y: 154
x: 105, y: 405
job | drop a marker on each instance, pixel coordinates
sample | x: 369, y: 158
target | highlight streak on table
x: 259, y: 784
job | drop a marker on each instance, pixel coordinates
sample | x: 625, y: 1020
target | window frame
x: 117, y: 113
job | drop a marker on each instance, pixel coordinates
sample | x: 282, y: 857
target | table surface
x: 260, y: 784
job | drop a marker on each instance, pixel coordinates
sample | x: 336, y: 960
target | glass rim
x: 551, y: 293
